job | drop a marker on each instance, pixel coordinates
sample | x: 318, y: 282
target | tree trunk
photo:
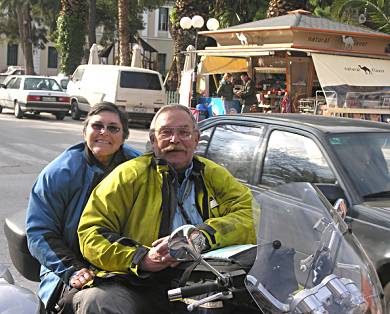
x: 183, y: 38
x: 24, y: 23
x: 92, y: 23
x: 124, y: 33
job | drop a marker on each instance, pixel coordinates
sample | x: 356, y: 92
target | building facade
x: 155, y: 34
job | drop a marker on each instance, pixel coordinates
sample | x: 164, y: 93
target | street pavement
x: 26, y: 147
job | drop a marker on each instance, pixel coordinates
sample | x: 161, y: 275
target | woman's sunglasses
x: 100, y: 127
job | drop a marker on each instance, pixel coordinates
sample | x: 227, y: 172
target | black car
x: 345, y: 158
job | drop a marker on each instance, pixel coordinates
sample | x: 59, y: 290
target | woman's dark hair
x: 108, y: 106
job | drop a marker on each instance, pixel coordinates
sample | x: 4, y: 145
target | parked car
x: 12, y: 70
x: 28, y: 93
x: 62, y: 80
x: 139, y: 92
x: 345, y: 158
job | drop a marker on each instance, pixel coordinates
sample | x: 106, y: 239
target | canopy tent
x: 216, y: 65
x: 136, y: 58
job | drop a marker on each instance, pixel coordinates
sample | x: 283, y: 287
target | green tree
x: 71, y: 33
x: 20, y: 11
x: 233, y: 12
x: 373, y: 14
x: 129, y: 21
x: 282, y: 7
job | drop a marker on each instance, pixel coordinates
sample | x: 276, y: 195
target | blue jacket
x: 55, y: 205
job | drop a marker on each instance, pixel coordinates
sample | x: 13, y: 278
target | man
x: 248, y: 94
x: 225, y: 91
x: 125, y: 226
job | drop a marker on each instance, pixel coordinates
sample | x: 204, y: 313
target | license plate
x: 139, y: 109
x: 47, y: 98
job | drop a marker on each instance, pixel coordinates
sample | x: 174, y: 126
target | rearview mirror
x: 341, y: 207
x: 186, y: 243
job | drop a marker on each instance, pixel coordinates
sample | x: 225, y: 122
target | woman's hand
x: 81, y: 278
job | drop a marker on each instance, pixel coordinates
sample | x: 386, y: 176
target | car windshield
x: 366, y: 159
x: 41, y: 84
x: 2, y: 78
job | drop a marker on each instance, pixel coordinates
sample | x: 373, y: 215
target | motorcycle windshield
x: 307, y: 259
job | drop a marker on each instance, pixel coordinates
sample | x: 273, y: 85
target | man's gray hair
x: 172, y: 107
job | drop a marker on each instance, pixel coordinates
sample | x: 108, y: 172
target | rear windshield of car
x: 41, y: 84
x: 139, y: 80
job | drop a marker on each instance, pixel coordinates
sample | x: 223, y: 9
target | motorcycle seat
x: 15, y: 232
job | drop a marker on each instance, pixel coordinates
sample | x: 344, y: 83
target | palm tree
x: 184, y: 38
x: 123, y: 32
x: 371, y: 13
x: 233, y: 12
x: 282, y: 7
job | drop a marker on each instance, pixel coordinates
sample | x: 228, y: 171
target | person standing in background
x: 225, y: 91
x: 248, y: 94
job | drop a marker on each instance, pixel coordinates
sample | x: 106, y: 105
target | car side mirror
x: 186, y: 243
x: 332, y: 192
x: 341, y: 207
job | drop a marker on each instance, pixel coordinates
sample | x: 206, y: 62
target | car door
x: 294, y: 157
x: 233, y: 146
x: 7, y: 100
x: 13, y: 92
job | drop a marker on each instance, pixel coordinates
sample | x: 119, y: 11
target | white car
x: 62, y: 80
x: 30, y: 93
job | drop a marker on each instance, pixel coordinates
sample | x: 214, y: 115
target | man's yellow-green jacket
x: 124, y: 213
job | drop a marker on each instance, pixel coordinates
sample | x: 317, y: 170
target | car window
x: 11, y: 82
x: 77, y: 75
x: 204, y: 140
x: 41, y: 84
x: 139, y: 80
x: 233, y: 146
x: 292, y: 157
x: 2, y: 78
x: 64, y: 83
x: 365, y: 157
x: 16, y: 83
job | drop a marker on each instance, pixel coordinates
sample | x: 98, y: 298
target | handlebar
x: 195, y: 289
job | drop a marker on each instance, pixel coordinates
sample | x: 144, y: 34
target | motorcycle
x: 306, y: 260
x: 15, y: 299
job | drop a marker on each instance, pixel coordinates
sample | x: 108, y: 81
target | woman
x: 225, y: 91
x: 60, y: 193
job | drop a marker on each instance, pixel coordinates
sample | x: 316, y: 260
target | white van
x: 137, y: 91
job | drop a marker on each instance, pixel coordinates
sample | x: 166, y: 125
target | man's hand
x: 80, y: 278
x: 158, y: 257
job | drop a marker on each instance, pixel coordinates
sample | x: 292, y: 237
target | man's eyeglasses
x: 183, y: 133
x: 100, y: 126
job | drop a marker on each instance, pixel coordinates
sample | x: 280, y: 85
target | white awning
x: 216, y: 65
x: 353, y: 82
x: 334, y: 70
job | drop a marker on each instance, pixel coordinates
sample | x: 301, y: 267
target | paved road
x: 26, y: 146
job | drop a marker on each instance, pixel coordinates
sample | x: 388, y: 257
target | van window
x: 139, y: 80
x: 77, y: 75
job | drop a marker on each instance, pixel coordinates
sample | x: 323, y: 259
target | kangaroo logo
x: 365, y: 69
